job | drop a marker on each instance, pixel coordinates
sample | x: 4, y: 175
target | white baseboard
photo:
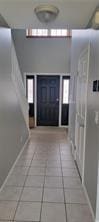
x: 63, y: 126
x: 84, y: 188
x: 10, y: 172
x: 90, y: 206
x: 72, y: 148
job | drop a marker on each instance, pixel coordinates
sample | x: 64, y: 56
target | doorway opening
x: 48, y: 99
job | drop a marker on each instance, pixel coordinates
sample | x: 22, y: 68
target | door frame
x: 35, y: 92
x: 86, y: 49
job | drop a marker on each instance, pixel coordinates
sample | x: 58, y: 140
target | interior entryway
x: 40, y: 179
x: 47, y: 100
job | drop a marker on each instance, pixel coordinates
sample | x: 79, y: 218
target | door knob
x: 57, y: 100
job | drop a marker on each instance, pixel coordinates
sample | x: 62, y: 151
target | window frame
x: 30, y: 35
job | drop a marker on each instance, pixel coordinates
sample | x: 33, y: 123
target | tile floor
x: 45, y: 185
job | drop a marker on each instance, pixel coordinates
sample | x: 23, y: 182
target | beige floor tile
x: 53, y: 195
x: 24, y: 162
x: 28, y: 211
x: 53, y: 171
x: 78, y: 213
x: 35, y: 181
x: 29, y: 151
x: 66, y: 157
x: 32, y: 194
x: 70, y: 172
x: 54, y: 182
x: 70, y: 182
x: 53, y: 212
x: 68, y: 164
x: 53, y: 157
x: 20, y: 170
x: 25, y: 157
x: 7, y: 210
x: 75, y: 196
x: 38, y: 164
x: 10, y: 193
x: 37, y: 171
x: 53, y: 163
x: 40, y: 158
x: 16, y: 180
x: 66, y: 152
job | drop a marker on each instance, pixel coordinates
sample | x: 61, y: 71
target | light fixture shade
x: 46, y: 13
x: 96, y: 18
x: 94, y: 21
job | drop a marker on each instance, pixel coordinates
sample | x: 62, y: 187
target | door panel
x: 81, y: 108
x: 47, y: 100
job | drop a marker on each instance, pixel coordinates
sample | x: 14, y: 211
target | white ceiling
x: 74, y: 14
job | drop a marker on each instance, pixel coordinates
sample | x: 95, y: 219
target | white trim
x: 97, y: 199
x: 11, y: 170
x: 89, y: 203
x: 24, y: 81
x: 35, y: 99
x: 83, y: 170
x: 46, y: 74
x: 35, y: 86
x: 63, y: 126
x: 73, y: 149
x: 60, y: 101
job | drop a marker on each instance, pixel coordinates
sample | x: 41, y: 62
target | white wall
x: 92, y: 133
x: 51, y: 55
x: 13, y: 130
x: 79, y: 41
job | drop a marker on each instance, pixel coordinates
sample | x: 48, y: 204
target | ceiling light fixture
x: 94, y: 21
x: 46, y: 13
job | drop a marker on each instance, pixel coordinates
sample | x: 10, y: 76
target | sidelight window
x: 65, y: 91
x: 30, y: 90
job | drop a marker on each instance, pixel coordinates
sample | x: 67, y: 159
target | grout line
x: 67, y: 188
x: 63, y: 185
x: 78, y: 171
x: 18, y: 221
x: 42, y: 194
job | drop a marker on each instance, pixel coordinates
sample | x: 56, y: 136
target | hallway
x: 44, y: 185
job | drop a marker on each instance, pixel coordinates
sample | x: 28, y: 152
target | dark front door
x: 47, y: 100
